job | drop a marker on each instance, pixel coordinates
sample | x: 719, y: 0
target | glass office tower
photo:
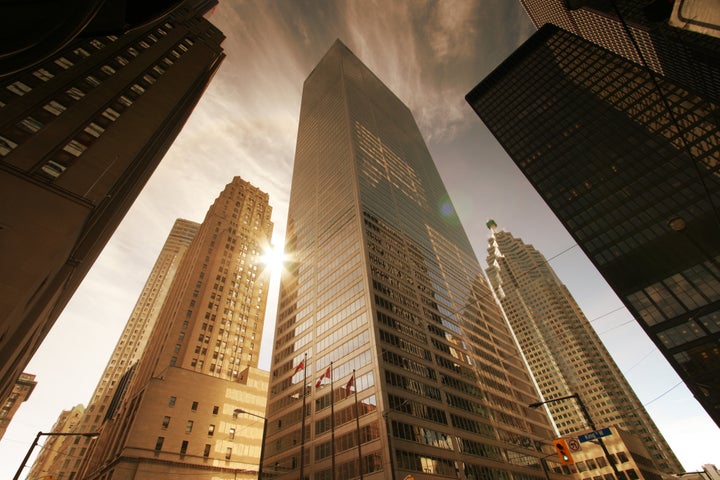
x: 636, y: 184
x: 384, y: 302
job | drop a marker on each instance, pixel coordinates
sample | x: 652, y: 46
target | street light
x: 589, y: 421
x: 238, y: 411
x: 51, y: 434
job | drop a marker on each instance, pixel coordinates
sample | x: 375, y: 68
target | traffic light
x: 563, y: 451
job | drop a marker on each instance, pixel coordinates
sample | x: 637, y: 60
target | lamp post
x: 589, y: 421
x: 238, y: 411
x: 50, y: 434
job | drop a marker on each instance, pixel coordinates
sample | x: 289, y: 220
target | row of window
x: 184, y: 448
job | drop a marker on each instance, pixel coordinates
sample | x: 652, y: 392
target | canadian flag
x: 325, y: 374
x: 299, y: 367
x: 349, y: 385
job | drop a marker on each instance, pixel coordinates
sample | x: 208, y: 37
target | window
x: 206, y: 452
x: 172, y: 401
x: 189, y: 426
x: 43, y: 74
x: 54, y: 107
x: 111, y: 114
x: 94, y: 129
x: 92, y: 81
x: 231, y: 434
x: 75, y: 93
x: 137, y: 89
x: 133, y: 51
x: 97, y: 43
x: 75, y: 148
x: 159, y: 443
x: 216, y: 409
x: 183, y: 447
x: 108, y: 69
x: 53, y: 169
x: 31, y: 124
x: 81, y: 52
x: 211, y: 430
x: 125, y: 100
x: 6, y: 145
x: 194, y: 406
x: 166, y: 422
x: 64, y: 63
x: 18, y: 88
x: 228, y: 453
x: 144, y: 44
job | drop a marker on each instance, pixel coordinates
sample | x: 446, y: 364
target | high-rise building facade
x: 639, y: 31
x: 195, y: 401
x: 53, y: 453
x: 11, y: 403
x: 564, y: 352
x: 80, y: 134
x: 128, y: 351
x: 383, y: 301
x: 636, y: 187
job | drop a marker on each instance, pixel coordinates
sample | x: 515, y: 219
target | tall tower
x: 384, y: 300
x: 635, y: 183
x: 195, y: 400
x: 563, y: 351
x: 128, y: 351
x: 80, y: 134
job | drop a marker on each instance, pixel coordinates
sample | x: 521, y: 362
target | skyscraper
x: 128, y: 351
x: 563, y: 351
x: 80, y: 134
x: 195, y: 401
x: 636, y: 186
x: 639, y: 30
x: 384, y: 301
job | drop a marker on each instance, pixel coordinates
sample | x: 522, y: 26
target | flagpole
x: 357, y: 423
x: 302, y: 419
x: 332, y: 420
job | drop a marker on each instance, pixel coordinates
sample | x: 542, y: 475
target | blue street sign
x: 593, y: 435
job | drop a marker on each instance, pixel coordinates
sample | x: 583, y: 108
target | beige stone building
x: 196, y: 400
x: 127, y: 353
x: 53, y: 453
x: 24, y: 386
x: 627, y: 451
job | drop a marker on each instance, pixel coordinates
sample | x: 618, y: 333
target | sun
x: 273, y: 258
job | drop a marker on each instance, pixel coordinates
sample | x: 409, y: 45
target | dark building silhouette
x: 80, y: 134
x: 384, y: 298
x: 639, y: 30
x: 638, y: 188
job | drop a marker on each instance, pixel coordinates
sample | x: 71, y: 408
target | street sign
x: 573, y: 445
x: 604, y: 432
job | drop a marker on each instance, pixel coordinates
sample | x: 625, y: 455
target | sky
x: 430, y: 53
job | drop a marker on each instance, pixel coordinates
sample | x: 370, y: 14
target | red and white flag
x: 350, y: 384
x: 299, y: 367
x: 325, y: 374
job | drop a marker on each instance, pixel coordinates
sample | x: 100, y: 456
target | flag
x: 325, y: 374
x: 299, y: 367
x: 349, y: 385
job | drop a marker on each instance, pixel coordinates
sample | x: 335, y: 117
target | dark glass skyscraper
x: 637, y: 186
x: 639, y: 30
x: 385, y: 299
